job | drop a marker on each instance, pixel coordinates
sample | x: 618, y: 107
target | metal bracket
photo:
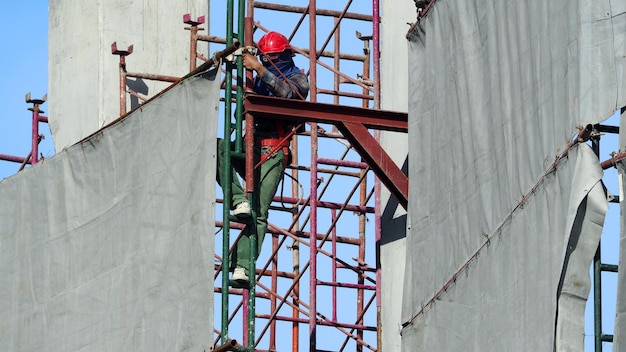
x: 252, y: 50
x: 35, y: 101
x: 187, y: 20
x: 126, y: 52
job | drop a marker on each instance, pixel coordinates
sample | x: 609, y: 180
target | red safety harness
x: 282, y: 142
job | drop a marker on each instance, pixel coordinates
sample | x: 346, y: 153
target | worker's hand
x: 252, y: 63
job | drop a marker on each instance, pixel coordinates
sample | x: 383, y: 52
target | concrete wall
x: 83, y: 74
x: 394, y: 96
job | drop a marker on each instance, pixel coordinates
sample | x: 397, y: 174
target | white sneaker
x: 242, y: 209
x: 240, y: 274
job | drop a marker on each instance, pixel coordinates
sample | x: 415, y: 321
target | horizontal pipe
x: 330, y: 205
x: 17, y: 159
x: 322, y: 204
x: 327, y: 171
x: 299, y: 234
x: 345, y: 94
x: 609, y: 267
x: 320, y: 12
x: 226, y: 347
x: 319, y: 322
x: 346, y: 285
x: 153, y: 77
x: 330, y: 54
x: 361, y: 268
x: 211, y: 39
x: 324, y: 134
x: 607, y: 129
x: 609, y: 163
x: 347, y: 163
x: 606, y: 337
x: 285, y: 274
x: 321, y: 237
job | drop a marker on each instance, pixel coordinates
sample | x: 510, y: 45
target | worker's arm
x: 276, y: 85
x: 252, y: 63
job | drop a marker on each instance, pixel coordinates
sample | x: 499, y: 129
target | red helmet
x: 273, y: 42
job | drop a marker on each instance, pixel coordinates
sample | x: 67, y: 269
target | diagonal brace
x: 378, y: 160
x: 354, y: 123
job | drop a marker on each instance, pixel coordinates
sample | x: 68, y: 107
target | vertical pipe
x: 597, y: 301
x: 34, y: 155
x: 313, y: 207
x: 295, y: 331
x: 226, y: 185
x: 377, y: 185
x: 313, y: 243
x: 597, y: 278
x: 249, y: 41
x: 243, y: 37
x: 244, y: 34
x: 245, y: 296
x: 333, y: 215
x: 193, y: 48
x: 249, y: 136
x: 366, y: 70
x: 376, y: 40
x: 313, y: 50
x: 336, y: 62
x: 377, y: 235
x: 252, y: 191
x: 273, y: 298
x: 360, y: 279
x: 122, y: 85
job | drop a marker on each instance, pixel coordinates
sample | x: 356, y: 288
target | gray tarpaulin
x: 496, y: 238
x: 503, y: 297
x: 108, y: 245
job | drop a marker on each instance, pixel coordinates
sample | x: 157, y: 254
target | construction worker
x: 276, y: 75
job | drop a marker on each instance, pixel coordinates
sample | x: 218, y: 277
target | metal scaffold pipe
x: 226, y: 187
x: 319, y: 219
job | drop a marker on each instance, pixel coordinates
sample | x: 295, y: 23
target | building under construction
x: 447, y: 190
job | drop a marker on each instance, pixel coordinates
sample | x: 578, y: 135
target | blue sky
x: 23, y: 30
x: 24, y: 33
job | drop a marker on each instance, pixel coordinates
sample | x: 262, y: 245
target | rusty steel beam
x: 299, y: 110
x: 353, y: 122
x: 379, y: 161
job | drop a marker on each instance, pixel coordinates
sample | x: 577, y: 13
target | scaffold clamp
x: 252, y: 50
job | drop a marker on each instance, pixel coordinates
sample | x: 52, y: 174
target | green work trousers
x: 269, y: 174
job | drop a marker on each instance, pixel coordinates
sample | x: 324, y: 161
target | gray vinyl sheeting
x: 500, y: 235
x: 108, y: 245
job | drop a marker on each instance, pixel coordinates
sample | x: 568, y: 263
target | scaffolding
x: 318, y: 278
x: 315, y: 286
x: 37, y: 117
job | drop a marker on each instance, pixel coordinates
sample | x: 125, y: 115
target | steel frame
x: 305, y: 209
x: 36, y: 117
x: 317, y: 220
